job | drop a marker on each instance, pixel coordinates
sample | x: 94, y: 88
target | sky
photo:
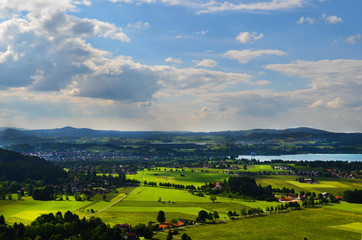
x: 181, y: 65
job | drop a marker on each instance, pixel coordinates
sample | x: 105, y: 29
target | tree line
x: 70, y: 226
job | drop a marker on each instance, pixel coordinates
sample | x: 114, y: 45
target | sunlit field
x: 196, y: 178
x: 318, y: 223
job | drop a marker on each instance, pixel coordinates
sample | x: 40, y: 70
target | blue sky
x: 181, y: 65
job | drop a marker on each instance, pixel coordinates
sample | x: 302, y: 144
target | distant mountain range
x: 11, y: 136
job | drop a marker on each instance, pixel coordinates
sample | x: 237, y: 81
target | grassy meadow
x: 141, y: 204
x: 332, y: 185
x: 196, y: 178
x: 27, y: 209
x: 316, y: 223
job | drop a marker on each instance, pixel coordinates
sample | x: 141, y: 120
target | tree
x: 2, y: 220
x: 320, y: 196
x: 310, y: 201
x: 211, y: 216
x: 185, y: 237
x: 216, y: 215
x: 213, y: 198
x: 161, y: 217
x: 169, y: 235
x: 203, y: 215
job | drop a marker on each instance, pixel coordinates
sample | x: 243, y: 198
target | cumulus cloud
x: 353, y: 39
x: 323, y: 19
x: 205, y: 6
x: 244, y: 56
x: 139, y: 25
x: 256, y: 103
x: 306, y: 19
x: 246, y: 37
x: 218, y: 6
x: 200, y: 80
x: 173, y: 60
x: 203, y: 32
x: 206, y: 63
x: 335, y: 103
x: 333, y: 83
x: 331, y: 19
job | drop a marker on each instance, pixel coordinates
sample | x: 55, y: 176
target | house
x: 123, y: 226
x: 285, y: 199
x: 302, y: 197
x: 131, y: 236
x: 218, y: 186
x: 168, y: 224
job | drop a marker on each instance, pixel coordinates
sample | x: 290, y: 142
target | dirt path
x: 112, y: 203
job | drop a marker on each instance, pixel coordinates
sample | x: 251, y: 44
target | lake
x: 307, y: 157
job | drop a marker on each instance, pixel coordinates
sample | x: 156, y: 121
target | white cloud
x: 84, y: 2
x: 255, y: 103
x: 206, y: 6
x: 335, y: 103
x: 246, y: 37
x: 244, y: 56
x: 139, y: 25
x: 331, y: 19
x: 206, y: 63
x: 203, y: 32
x: 189, y: 80
x: 323, y: 19
x: 306, y: 19
x: 333, y: 83
x: 8, y: 54
x: 353, y: 39
x: 218, y: 6
x: 173, y: 60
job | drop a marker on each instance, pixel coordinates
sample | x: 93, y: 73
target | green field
x: 195, y: 178
x: 353, y: 227
x: 348, y: 207
x: 258, y: 168
x: 141, y: 204
x: 318, y: 223
x: 332, y: 185
x: 27, y: 209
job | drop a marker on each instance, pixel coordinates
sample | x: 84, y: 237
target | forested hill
x: 17, y: 167
x: 10, y: 136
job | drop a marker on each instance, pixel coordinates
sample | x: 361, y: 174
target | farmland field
x: 331, y: 185
x: 318, y: 223
x: 27, y: 209
x: 141, y: 204
x: 353, y: 227
x: 189, y: 178
x: 348, y: 207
